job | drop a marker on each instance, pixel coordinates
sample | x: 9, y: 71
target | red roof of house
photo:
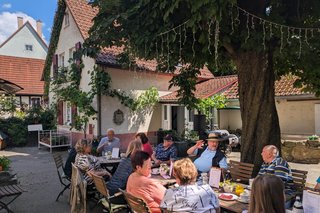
x: 83, y: 14
x: 25, y: 72
x: 283, y: 87
x: 207, y: 88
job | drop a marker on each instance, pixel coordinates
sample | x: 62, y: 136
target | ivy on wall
x: 58, y: 19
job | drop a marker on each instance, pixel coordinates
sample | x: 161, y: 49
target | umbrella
x: 8, y: 87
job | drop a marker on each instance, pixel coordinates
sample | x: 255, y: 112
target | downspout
x: 99, y: 113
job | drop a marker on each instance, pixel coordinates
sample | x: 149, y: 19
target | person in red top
x: 145, y: 143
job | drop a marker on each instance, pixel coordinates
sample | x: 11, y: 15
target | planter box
x: 313, y: 143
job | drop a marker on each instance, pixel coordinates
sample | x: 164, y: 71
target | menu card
x: 311, y: 202
x: 214, y: 177
x: 115, y: 153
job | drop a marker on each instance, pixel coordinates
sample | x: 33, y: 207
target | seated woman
x: 189, y: 197
x: 145, y: 142
x: 120, y: 177
x: 140, y: 185
x: 267, y: 195
x: 86, y: 162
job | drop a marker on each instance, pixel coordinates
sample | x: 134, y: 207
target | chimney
x: 20, y: 22
x: 39, y: 28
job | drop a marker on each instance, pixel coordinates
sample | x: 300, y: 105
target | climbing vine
x: 206, y: 105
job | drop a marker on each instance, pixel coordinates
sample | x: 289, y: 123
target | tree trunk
x: 260, y: 123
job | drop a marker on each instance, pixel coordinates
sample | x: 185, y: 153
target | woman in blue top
x: 120, y: 177
x: 318, y: 184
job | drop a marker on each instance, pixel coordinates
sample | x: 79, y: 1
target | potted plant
x: 313, y: 141
x: 4, y: 163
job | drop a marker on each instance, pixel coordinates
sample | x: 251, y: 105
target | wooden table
x: 163, y: 181
x: 109, y: 163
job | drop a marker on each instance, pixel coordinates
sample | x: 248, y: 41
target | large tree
x: 262, y: 39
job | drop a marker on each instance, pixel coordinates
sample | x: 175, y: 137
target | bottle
x: 297, y: 206
x: 205, y: 178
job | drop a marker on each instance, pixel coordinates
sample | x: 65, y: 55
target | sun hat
x: 215, y: 137
x: 168, y: 137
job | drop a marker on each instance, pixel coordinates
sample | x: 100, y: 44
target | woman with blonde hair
x: 86, y: 162
x: 120, y: 177
x: 188, y: 196
x: 267, y: 195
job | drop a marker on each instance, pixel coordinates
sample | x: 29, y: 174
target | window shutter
x: 78, y: 55
x: 55, y: 66
x: 60, y: 112
x: 74, y: 113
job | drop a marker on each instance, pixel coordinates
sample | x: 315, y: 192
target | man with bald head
x: 108, y: 143
x: 275, y: 165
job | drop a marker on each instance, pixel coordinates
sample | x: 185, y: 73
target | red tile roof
x: 83, y: 15
x: 25, y: 72
x: 283, y: 87
x: 207, y: 88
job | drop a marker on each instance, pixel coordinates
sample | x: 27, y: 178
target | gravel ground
x: 37, y: 174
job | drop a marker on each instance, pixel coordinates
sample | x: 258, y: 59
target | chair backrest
x: 299, y: 179
x: 136, y: 204
x: 239, y: 170
x: 100, y: 185
x: 58, y: 160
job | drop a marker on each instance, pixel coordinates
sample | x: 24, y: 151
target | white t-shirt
x: 190, y: 198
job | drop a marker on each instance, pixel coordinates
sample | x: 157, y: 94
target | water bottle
x: 297, y: 206
x: 205, y: 179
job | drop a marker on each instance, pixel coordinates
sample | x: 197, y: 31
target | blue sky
x: 30, y: 10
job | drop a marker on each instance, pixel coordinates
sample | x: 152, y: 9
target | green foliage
x: 313, y: 137
x: 206, y: 105
x: 8, y: 104
x: 5, y: 163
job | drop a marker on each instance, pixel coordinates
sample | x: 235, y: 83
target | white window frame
x: 61, y: 60
x: 29, y: 47
x: 34, y: 97
x: 67, y: 118
x: 66, y: 19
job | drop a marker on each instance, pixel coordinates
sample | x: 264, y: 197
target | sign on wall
x: 118, y: 117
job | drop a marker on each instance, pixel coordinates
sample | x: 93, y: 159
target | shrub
x: 5, y: 163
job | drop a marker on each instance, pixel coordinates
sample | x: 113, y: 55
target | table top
x: 163, y: 181
x: 105, y: 160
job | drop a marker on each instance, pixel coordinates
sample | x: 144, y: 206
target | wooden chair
x: 299, y: 179
x: 78, y: 192
x: 64, y: 180
x: 137, y: 205
x: 13, y: 191
x: 239, y: 170
x: 102, y: 189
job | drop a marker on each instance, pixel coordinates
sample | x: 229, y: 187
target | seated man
x: 209, y: 156
x: 165, y: 152
x: 68, y: 166
x: 273, y: 164
x: 108, y: 143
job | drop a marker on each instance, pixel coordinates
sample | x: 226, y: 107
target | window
x: 68, y: 114
x: 71, y: 52
x: 165, y: 112
x: 191, y: 115
x: 35, y: 101
x: 61, y: 60
x: 66, y: 19
x: 28, y: 47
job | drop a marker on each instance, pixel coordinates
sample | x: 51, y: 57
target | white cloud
x: 9, y: 23
x: 6, y: 6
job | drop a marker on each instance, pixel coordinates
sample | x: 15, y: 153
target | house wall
x: 16, y: 45
x: 230, y: 119
x: 297, y: 117
x: 69, y: 36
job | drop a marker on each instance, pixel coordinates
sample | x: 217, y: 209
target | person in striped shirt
x: 275, y: 165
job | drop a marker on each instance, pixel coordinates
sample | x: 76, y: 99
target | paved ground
x: 37, y: 174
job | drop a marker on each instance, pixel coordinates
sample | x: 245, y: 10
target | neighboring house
x: 298, y: 111
x: 22, y: 58
x: 76, y: 23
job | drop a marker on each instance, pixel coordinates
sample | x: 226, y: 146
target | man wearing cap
x: 108, y: 143
x: 209, y: 156
x: 165, y: 152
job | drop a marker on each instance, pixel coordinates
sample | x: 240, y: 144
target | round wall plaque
x: 118, y: 117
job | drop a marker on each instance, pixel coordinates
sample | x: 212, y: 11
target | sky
x: 31, y: 10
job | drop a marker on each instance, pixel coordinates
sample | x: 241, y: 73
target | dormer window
x: 28, y: 47
x: 66, y: 19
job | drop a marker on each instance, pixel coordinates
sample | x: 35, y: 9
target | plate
x: 155, y: 171
x: 242, y: 201
x: 228, y: 196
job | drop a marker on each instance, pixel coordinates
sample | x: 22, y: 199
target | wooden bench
x: 13, y: 191
x: 239, y: 170
x: 299, y: 179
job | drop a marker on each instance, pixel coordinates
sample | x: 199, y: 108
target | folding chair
x: 64, y: 180
x: 106, y: 202
x: 78, y: 192
x: 13, y: 191
x: 137, y: 205
x: 239, y: 170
